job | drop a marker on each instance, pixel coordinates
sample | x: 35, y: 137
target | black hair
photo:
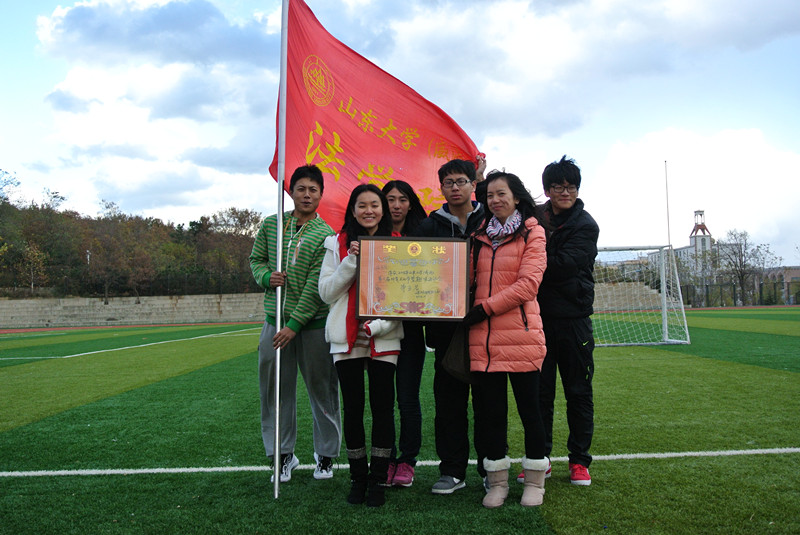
x: 557, y: 172
x: 416, y: 213
x: 352, y: 228
x: 526, y: 206
x: 454, y: 167
x: 311, y: 172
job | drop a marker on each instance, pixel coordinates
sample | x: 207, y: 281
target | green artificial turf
x: 194, y: 403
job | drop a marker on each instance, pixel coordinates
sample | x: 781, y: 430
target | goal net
x: 638, y: 297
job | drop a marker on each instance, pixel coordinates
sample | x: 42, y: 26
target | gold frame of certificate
x: 412, y: 278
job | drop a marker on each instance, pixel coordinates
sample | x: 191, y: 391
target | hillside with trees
x: 47, y: 251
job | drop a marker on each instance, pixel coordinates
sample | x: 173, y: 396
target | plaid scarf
x: 497, y: 232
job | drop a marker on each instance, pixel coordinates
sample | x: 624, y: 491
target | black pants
x: 451, y: 424
x: 570, y: 345
x: 408, y: 379
x: 381, y: 402
x: 490, y: 400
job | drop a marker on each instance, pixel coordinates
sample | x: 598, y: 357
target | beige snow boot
x: 535, y: 470
x: 497, y: 479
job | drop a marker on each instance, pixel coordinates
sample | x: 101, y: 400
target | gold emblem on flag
x: 318, y: 80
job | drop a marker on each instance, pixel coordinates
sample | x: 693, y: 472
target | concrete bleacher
x: 92, y: 312
x: 617, y: 296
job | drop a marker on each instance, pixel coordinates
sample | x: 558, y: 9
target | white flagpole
x: 666, y: 187
x: 276, y: 468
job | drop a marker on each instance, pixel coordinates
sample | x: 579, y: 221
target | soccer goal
x: 638, y: 297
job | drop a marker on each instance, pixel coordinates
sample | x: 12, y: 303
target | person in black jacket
x: 566, y: 298
x: 459, y: 217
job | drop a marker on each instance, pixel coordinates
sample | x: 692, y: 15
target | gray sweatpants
x: 309, y: 352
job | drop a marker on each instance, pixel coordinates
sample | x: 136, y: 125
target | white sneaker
x: 324, y: 469
x: 290, y: 462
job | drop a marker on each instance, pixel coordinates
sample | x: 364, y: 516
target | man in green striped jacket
x: 301, y: 337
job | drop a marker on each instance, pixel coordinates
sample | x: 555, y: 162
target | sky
x: 167, y: 108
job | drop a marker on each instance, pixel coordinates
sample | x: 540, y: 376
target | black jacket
x: 440, y: 224
x: 567, y: 289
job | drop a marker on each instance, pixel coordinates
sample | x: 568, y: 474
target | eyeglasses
x: 572, y: 188
x: 447, y: 183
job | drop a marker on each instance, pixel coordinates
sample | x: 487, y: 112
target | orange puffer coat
x: 508, y: 278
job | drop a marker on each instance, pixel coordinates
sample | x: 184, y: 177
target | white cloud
x: 193, y: 31
x: 182, y: 94
x: 723, y: 174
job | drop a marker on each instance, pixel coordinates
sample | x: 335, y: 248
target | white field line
x: 229, y: 333
x: 195, y: 470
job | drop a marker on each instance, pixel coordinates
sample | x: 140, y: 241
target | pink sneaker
x: 579, y: 475
x: 390, y: 474
x: 404, y: 476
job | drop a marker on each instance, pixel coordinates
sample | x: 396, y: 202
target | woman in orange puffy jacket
x: 506, y: 340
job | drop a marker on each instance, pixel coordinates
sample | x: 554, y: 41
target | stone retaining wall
x: 92, y: 312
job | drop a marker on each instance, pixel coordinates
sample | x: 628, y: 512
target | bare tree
x: 53, y: 199
x: 8, y: 181
x: 32, y: 267
x: 745, y: 261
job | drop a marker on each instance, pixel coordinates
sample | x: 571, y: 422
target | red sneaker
x: 404, y: 476
x: 579, y: 475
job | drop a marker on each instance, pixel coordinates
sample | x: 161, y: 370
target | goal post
x: 638, y: 297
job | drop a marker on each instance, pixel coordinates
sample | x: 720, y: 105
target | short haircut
x: 457, y: 167
x: 557, y: 172
x: 311, y: 172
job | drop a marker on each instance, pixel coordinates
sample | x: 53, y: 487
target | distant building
x: 783, y: 274
x: 696, y: 256
x: 785, y: 279
x: 703, y: 249
x: 702, y: 258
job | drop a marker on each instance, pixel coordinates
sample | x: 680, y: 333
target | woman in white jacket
x: 356, y: 346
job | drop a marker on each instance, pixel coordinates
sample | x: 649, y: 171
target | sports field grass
x: 156, y: 430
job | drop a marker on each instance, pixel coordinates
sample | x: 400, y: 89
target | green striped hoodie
x: 303, y: 252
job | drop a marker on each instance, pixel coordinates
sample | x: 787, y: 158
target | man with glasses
x: 566, y: 298
x: 459, y: 217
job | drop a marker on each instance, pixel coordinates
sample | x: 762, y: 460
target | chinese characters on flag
x: 358, y: 123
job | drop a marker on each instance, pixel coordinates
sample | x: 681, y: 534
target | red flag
x: 358, y: 123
